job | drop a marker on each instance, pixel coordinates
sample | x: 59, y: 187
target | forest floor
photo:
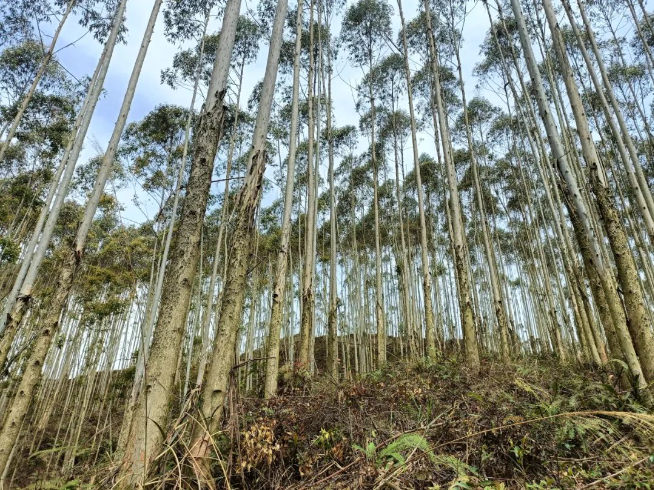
x: 532, y: 424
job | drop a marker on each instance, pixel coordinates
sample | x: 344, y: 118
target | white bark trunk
x: 18, y: 300
x: 246, y: 203
x: 279, y: 284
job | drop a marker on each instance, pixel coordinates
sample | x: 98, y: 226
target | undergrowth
x: 533, y: 424
x: 434, y: 425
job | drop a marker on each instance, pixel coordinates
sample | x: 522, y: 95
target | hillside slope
x: 527, y: 425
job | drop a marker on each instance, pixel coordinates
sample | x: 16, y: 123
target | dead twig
x: 613, y: 475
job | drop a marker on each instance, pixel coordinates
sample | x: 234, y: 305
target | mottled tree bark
x: 231, y: 310
x: 153, y: 403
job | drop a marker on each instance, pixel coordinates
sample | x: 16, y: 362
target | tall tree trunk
x: 153, y: 403
x: 380, y: 317
x: 279, y: 283
x: 220, y: 245
x: 402, y: 262
x: 332, y: 320
x: 148, y: 324
x: 458, y: 231
x: 71, y: 262
x: 245, y: 207
x: 430, y: 326
x: 308, y: 299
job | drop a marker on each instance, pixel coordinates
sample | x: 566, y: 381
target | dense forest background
x: 217, y: 214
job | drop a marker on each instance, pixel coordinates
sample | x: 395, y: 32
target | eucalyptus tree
x: 638, y: 317
x: 331, y: 8
x: 585, y: 229
x: 180, y: 23
x: 456, y: 218
x: 245, y: 207
x: 18, y: 299
x: 430, y: 325
x: 307, y: 328
x: 279, y: 284
x: 70, y: 266
x: 366, y: 25
x: 246, y: 48
x: 151, y: 409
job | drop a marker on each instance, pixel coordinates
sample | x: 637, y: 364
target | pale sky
x: 80, y: 59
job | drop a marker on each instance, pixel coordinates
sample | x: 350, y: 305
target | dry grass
x: 532, y: 424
